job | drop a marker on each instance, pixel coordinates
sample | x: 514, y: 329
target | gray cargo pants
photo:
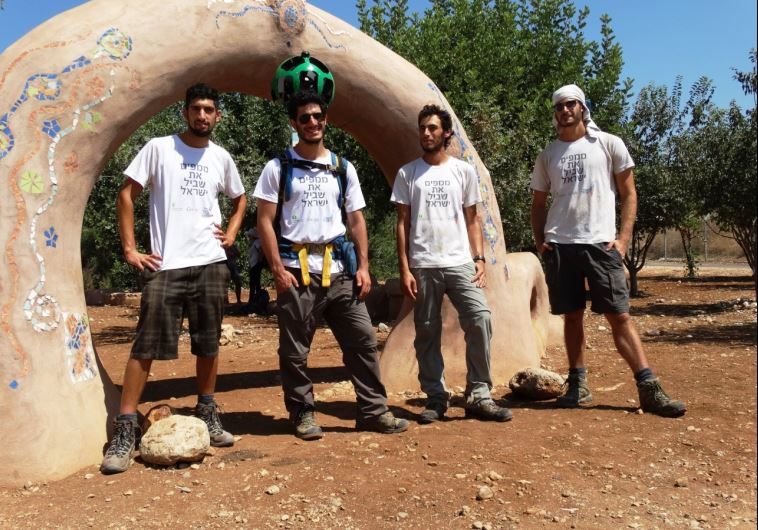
x: 299, y: 309
x: 474, y: 318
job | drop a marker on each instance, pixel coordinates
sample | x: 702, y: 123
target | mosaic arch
x: 77, y: 86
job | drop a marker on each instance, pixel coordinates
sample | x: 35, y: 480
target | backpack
x: 343, y: 248
x: 338, y: 168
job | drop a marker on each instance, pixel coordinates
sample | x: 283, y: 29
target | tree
x: 687, y: 169
x: 497, y: 62
x: 726, y: 160
x: 651, y: 129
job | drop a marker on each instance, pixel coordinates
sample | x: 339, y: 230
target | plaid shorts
x: 568, y: 265
x: 199, y: 293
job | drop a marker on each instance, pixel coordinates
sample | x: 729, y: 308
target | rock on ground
x: 175, y: 439
x: 536, y: 383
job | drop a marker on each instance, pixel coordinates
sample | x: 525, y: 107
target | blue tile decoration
x: 6, y: 137
x: 51, y: 127
x: 51, y: 238
x: 13, y: 385
x: 77, y: 63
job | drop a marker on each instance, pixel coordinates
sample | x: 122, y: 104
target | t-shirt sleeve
x: 233, y: 186
x: 540, y: 178
x: 400, y: 188
x: 267, y: 187
x: 353, y: 195
x: 620, y: 156
x: 143, y: 165
x: 471, y: 192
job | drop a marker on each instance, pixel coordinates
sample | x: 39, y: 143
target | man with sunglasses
x: 584, y: 170
x: 300, y: 223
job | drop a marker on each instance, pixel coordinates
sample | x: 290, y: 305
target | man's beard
x: 436, y: 148
x: 310, y: 141
x: 201, y: 133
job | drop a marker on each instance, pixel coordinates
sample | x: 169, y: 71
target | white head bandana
x: 569, y: 92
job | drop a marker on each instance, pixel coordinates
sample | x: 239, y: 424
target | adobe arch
x: 73, y: 89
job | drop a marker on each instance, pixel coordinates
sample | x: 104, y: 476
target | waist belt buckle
x: 316, y: 248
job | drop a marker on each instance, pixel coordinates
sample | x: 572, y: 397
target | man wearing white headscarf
x: 584, y: 170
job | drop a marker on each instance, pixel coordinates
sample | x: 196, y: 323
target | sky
x: 661, y: 39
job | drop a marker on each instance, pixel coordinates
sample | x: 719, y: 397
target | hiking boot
x: 209, y: 414
x: 578, y: 392
x: 305, y: 424
x: 488, y: 410
x: 433, y: 411
x: 654, y: 400
x: 118, y: 456
x: 385, y: 423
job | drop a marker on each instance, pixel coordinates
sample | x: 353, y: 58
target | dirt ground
x: 603, y: 466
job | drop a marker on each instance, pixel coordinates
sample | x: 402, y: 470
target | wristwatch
x: 480, y: 258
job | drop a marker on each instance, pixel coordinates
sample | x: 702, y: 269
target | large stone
x: 175, y: 439
x: 537, y: 384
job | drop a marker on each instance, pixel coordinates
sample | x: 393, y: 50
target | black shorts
x: 199, y: 293
x: 568, y: 265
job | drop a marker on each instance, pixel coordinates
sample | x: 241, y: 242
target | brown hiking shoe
x: 385, y: 423
x: 654, y: 400
x: 578, y: 392
x: 488, y: 410
x: 118, y: 456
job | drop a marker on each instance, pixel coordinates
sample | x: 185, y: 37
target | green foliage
x: 498, y: 62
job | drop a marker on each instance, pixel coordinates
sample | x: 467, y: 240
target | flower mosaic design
x: 291, y: 15
x: 51, y: 237
x: 51, y: 127
x: 43, y: 87
x: 115, y: 44
x: 31, y: 182
x: 80, y: 356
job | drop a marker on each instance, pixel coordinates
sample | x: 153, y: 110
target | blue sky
x: 660, y: 38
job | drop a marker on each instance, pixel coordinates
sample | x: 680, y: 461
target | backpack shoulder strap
x: 339, y: 169
x: 285, y: 186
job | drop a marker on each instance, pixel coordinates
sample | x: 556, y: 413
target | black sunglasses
x: 305, y: 118
x: 568, y: 104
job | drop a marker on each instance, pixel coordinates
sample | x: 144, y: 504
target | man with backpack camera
x: 307, y: 200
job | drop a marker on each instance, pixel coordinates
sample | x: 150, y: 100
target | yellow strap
x: 326, y: 271
x: 302, y: 256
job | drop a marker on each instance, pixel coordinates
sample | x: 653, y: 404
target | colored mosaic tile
x: 51, y: 127
x: 77, y: 63
x: 115, y: 44
x: 244, y: 11
x: 292, y: 16
x: 91, y: 119
x: 31, y: 182
x: 80, y: 355
x: 13, y: 384
x: 51, y: 238
x: 43, y: 87
x: 6, y: 137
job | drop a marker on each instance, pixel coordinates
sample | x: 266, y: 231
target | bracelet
x: 480, y: 258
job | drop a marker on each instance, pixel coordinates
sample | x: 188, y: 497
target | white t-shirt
x: 312, y: 214
x: 184, y: 184
x: 437, y: 196
x: 579, y: 176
